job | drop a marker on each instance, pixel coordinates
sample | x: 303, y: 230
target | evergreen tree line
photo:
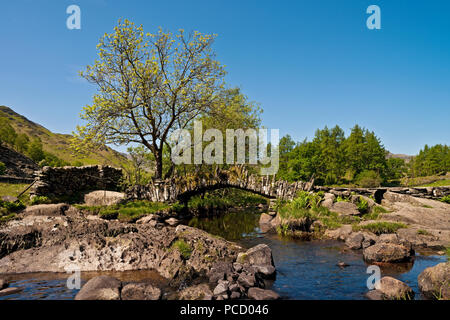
x: 359, y: 159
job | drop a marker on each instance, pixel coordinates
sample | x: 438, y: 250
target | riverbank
x: 49, y: 238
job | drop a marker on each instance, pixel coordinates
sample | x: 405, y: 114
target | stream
x: 305, y: 269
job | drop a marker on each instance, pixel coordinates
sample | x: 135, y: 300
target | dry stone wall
x: 67, y: 181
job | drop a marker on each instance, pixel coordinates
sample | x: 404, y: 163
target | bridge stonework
x: 182, y: 188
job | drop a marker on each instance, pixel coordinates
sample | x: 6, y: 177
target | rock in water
x: 258, y: 255
x: 387, y: 252
x: 3, y: 284
x: 262, y: 294
x: 100, y: 288
x: 355, y: 240
x: 140, y: 291
x: 393, y: 289
x: 8, y: 291
x: 434, y: 282
x: 198, y: 292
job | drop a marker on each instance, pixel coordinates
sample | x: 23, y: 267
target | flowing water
x: 308, y: 269
x: 305, y: 269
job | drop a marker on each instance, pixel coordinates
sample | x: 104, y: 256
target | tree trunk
x: 159, y: 164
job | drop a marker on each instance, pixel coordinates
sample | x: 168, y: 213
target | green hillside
x: 59, y: 144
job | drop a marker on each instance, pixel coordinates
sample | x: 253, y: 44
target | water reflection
x: 308, y: 269
x: 231, y: 226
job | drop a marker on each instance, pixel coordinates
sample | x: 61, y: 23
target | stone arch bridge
x: 182, y: 188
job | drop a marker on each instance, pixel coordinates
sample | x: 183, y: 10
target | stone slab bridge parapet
x: 183, y: 188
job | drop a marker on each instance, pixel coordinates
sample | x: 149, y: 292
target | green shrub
x: 109, y: 214
x: 446, y: 199
x: 12, y: 206
x: 380, y: 227
x: 2, y: 168
x: 40, y: 200
x: 363, y: 205
x: 368, y: 179
x: 183, y: 247
x: 423, y: 232
x: 379, y: 209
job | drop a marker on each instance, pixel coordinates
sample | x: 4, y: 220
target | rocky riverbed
x: 198, y: 265
x: 58, y: 238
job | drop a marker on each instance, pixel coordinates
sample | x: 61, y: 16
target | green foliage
x: 331, y: 157
x: 225, y: 198
x: 395, y: 168
x: 35, y: 151
x: 379, y: 210
x: 380, y: 227
x: 363, y: 205
x: 173, y: 77
x: 12, y: 206
x: 431, y: 160
x: 231, y: 225
x: 40, y: 200
x: 438, y: 183
x: 423, y: 232
x: 183, y: 247
x: 342, y: 199
x: 2, y: 168
x: 368, y: 179
x: 129, y: 211
x: 446, y: 199
x: 7, y: 133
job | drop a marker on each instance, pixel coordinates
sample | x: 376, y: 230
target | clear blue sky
x: 310, y: 63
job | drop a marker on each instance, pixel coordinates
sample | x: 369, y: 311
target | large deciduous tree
x: 148, y: 86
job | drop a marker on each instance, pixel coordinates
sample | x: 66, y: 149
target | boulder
x: 258, y: 255
x: 387, y: 252
x: 221, y: 288
x: 198, y: 292
x: 140, y: 291
x: 50, y: 210
x: 374, y: 295
x: 355, y: 240
x: 235, y: 295
x: 262, y: 294
x: 3, y: 284
x: 8, y: 291
x: 147, y: 219
x: 219, y: 271
x: 103, y: 198
x: 275, y: 222
x: 340, y: 233
x: 265, y: 218
x: 393, y: 289
x: 327, y: 203
x: 247, y: 280
x: 266, y: 271
x: 345, y: 208
x: 369, y: 239
x: 100, y: 288
x: 172, y: 222
x: 434, y: 282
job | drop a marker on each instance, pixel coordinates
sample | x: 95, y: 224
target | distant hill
x: 405, y: 157
x: 59, y: 144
